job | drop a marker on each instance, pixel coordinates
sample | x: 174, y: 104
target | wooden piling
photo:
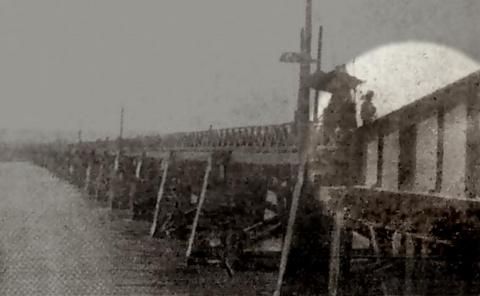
x: 395, y: 282
x: 98, y: 181
x: 113, y: 181
x: 138, y: 169
x: 133, y: 187
x: 396, y: 243
x: 409, y: 264
x: 338, y: 253
x: 424, y: 252
x: 199, y: 208
x: 374, y: 242
x: 290, y: 225
x: 87, y: 178
x: 165, y: 164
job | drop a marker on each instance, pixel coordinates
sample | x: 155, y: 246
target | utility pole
x: 303, y: 129
x: 79, y: 136
x: 303, y: 100
x: 122, y: 112
x: 120, y: 137
x: 319, y: 68
x: 303, y: 105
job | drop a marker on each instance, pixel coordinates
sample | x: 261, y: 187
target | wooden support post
x: 98, y: 181
x: 228, y: 248
x: 409, y: 264
x: 113, y: 182
x: 423, y: 267
x: 138, y: 169
x: 336, y: 255
x: 319, y: 68
x: 396, y: 243
x: 133, y: 187
x: 385, y: 286
x: 440, y: 153
x: 132, y: 190
x: 116, y: 162
x: 395, y: 282
x: 346, y: 253
x: 71, y: 170
x: 199, y: 208
x: 374, y: 242
x: 87, y: 178
x: 290, y: 225
x: 165, y: 164
x: 302, y: 127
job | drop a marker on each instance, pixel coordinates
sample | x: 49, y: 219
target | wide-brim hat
x: 332, y: 81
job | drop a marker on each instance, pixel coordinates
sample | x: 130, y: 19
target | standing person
x: 339, y: 115
x: 368, y: 112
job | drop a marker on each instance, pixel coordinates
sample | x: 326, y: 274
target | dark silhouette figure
x: 368, y: 112
x: 339, y: 116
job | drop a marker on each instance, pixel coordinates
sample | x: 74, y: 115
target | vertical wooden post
x: 380, y: 161
x: 134, y: 186
x: 199, y: 208
x: 395, y: 282
x: 138, y: 168
x: 336, y: 254
x: 302, y: 144
x: 319, y: 67
x: 407, y: 158
x: 303, y: 128
x: 472, y: 145
x: 374, y: 241
x: 71, y: 170
x: 116, y: 162
x: 346, y: 254
x: 396, y: 243
x: 376, y: 249
x: 340, y: 256
x: 165, y: 164
x: 87, y: 177
x: 290, y: 225
x: 423, y: 267
x: 440, y: 152
x: 98, y: 181
x: 113, y: 181
x: 409, y: 264
x: 122, y: 114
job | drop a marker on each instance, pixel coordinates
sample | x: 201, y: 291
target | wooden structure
x: 429, y: 146
x: 414, y: 200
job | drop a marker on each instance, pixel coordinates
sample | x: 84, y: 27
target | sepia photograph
x: 239, y: 147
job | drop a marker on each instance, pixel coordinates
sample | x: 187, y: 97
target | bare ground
x: 54, y: 241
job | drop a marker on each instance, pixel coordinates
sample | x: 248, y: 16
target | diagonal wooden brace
x: 165, y: 164
x: 199, y: 208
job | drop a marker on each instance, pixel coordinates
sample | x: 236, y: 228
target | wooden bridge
x: 391, y: 216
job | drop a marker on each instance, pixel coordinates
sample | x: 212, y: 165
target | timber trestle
x: 227, y: 195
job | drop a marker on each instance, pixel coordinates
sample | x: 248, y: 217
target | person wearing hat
x: 339, y: 117
x: 368, y: 112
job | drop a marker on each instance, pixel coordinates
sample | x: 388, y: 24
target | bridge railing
x: 271, y: 136
x: 278, y: 137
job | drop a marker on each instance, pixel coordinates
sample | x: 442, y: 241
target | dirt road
x: 54, y: 241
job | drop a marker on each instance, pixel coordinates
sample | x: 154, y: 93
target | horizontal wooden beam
x: 265, y: 158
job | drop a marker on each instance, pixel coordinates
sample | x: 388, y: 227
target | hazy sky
x: 182, y: 65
